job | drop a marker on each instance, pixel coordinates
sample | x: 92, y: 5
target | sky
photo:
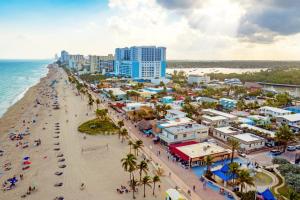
x: 190, y: 29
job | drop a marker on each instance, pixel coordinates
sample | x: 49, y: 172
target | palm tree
x: 101, y: 113
x: 234, y: 169
x: 245, y: 178
x: 208, y: 162
x: 97, y: 102
x: 146, y: 181
x: 234, y: 144
x: 130, y: 143
x: 137, y: 145
x: 124, y: 134
x: 155, y: 179
x: 129, y: 163
x: 284, y: 135
x: 120, y: 125
x: 293, y: 195
x: 133, y: 184
x: 142, y: 167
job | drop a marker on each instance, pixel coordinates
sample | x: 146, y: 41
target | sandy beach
x: 98, y: 167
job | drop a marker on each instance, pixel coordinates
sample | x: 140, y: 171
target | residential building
x: 206, y: 100
x: 294, y: 109
x: 230, y: 117
x: 233, y: 81
x: 167, y: 99
x: 223, y: 133
x: 101, y: 63
x: 195, y: 153
x: 273, y: 112
x: 267, y: 133
x: 116, y: 92
x: 249, y: 141
x: 259, y: 120
x: 292, y: 120
x: 141, y: 62
x: 252, y: 86
x: 64, y: 57
x: 228, y: 104
x: 215, y: 118
x: 136, y: 106
x: 182, y: 133
x: 197, y: 79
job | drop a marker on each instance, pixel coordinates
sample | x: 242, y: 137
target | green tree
x: 137, y: 145
x: 97, y: 102
x: 208, y: 162
x: 146, y: 181
x: 142, y: 167
x: 234, y: 144
x: 284, y: 135
x: 245, y: 178
x: 101, y: 113
x: 155, y: 179
x: 130, y: 143
x: 129, y: 163
x: 124, y: 134
x: 234, y: 169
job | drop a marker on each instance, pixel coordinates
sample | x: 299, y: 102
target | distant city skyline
x: 189, y: 29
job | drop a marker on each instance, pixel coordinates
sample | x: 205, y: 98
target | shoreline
x: 20, y: 96
x: 14, y: 112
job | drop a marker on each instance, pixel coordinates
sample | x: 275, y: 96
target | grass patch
x: 96, y: 126
x: 262, y: 179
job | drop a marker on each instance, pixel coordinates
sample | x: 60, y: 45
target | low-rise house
x: 167, y: 99
x: 267, y: 133
x: 233, y: 81
x: 223, y: 133
x: 197, y: 79
x: 252, y: 86
x: 292, y: 121
x: 259, y: 120
x: 136, y: 106
x: 228, y: 104
x: 116, y: 92
x: 294, y: 109
x: 201, y: 100
x: 175, y: 114
x: 230, y: 117
x: 194, y: 154
x: 182, y: 133
x: 214, y: 121
x: 273, y: 112
x: 249, y: 141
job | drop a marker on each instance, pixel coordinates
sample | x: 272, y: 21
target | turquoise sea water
x: 16, y: 77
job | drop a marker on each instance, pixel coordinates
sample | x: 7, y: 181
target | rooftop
x: 177, y: 122
x: 202, y: 149
x: 216, y: 112
x: 213, y: 118
x: 116, y: 91
x: 251, y: 127
x: 292, y: 117
x: 185, y: 128
x: 274, y: 109
x: 248, y: 137
x: 228, y: 130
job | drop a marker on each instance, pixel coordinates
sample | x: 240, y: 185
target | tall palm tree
x: 245, y: 178
x: 124, y: 134
x: 234, y: 169
x: 146, y: 181
x: 120, y: 123
x: 130, y: 143
x: 129, y: 163
x: 137, y: 145
x: 155, y: 179
x: 97, y: 102
x: 234, y: 144
x: 142, y: 167
x: 208, y: 162
x: 284, y: 135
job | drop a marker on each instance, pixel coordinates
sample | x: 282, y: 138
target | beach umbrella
x: 26, y: 158
x: 27, y: 163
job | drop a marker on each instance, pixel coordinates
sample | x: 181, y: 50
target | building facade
x: 141, y: 62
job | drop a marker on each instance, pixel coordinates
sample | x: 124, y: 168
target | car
x: 298, y: 147
x: 276, y: 152
x: 243, y: 155
x: 269, y: 145
x: 291, y: 148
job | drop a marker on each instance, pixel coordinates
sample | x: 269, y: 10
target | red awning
x: 174, y: 150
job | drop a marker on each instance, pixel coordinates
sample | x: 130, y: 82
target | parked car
x: 291, y: 148
x: 298, y: 147
x: 276, y: 152
x: 269, y: 145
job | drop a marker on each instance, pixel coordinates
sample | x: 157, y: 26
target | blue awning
x: 268, y: 195
x: 224, y: 173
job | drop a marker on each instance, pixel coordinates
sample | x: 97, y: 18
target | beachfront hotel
x: 141, y: 62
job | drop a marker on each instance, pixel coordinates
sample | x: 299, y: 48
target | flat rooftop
x: 214, y: 118
x: 228, y: 130
x: 116, y: 91
x: 248, y: 137
x: 185, y: 128
x: 274, y: 109
x: 292, y: 117
x: 216, y: 112
x: 177, y: 122
x: 251, y: 127
x: 202, y: 149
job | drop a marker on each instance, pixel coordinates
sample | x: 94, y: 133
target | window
x: 175, y: 136
x: 184, y: 135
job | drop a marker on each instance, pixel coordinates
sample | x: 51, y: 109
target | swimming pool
x: 199, y: 170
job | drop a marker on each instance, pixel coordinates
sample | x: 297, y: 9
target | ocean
x: 16, y: 77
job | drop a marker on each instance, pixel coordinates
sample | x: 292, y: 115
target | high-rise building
x: 141, y: 62
x: 64, y: 57
x: 101, y: 63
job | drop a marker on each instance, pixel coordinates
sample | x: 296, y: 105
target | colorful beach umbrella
x: 26, y: 158
x: 27, y: 163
